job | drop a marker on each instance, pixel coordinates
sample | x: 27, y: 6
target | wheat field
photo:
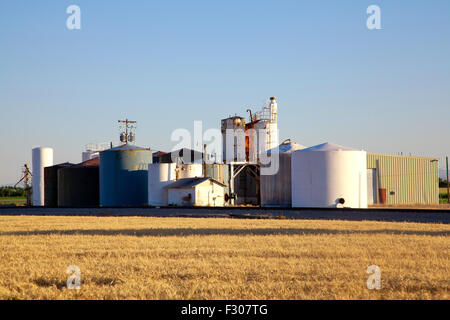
x: 208, y: 258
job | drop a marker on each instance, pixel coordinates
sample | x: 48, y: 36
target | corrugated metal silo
x: 219, y: 172
x: 190, y: 170
x: 276, y: 188
x: 124, y: 176
x: 329, y: 175
x: 233, y: 139
x: 160, y: 175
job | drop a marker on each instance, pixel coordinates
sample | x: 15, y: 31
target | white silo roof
x: 328, y: 146
x: 287, y: 148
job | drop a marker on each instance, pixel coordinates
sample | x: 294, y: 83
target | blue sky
x: 166, y: 64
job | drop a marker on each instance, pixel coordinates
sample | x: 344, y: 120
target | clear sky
x: 168, y: 63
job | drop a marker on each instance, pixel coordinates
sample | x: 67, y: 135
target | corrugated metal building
x: 179, y: 156
x: 78, y: 185
x: 394, y: 179
x: 51, y: 184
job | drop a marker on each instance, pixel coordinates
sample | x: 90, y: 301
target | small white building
x: 196, y: 192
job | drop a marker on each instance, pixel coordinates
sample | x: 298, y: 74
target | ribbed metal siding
x: 276, y: 189
x: 219, y: 172
x: 407, y: 180
x: 78, y: 187
x: 51, y: 184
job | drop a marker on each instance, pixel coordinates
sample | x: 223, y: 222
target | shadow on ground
x: 167, y: 232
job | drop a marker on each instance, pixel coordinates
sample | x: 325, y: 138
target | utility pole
x: 127, y: 127
x: 204, y: 160
x: 448, y: 184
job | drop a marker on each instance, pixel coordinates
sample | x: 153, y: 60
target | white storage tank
x: 194, y: 170
x: 329, y: 175
x: 41, y: 157
x: 233, y: 139
x: 160, y: 175
x: 276, y: 187
x: 89, y: 155
x: 262, y: 131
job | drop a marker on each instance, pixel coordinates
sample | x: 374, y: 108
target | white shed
x: 196, y: 192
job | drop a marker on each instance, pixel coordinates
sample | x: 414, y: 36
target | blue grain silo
x: 124, y: 176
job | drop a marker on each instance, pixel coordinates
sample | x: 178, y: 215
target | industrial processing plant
x: 225, y: 159
x: 254, y: 169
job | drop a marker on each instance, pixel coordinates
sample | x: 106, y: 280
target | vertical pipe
x: 448, y: 186
x: 360, y: 189
x: 378, y: 177
x: 204, y: 158
x: 231, y: 183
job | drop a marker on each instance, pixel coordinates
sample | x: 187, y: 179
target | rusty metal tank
x: 124, y: 176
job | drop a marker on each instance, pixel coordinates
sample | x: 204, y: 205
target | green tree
x: 12, y: 192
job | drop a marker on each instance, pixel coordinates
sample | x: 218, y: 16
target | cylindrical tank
x: 88, y: 155
x: 78, y: 186
x: 233, y: 139
x: 159, y: 176
x: 41, y: 157
x: 51, y: 184
x: 189, y: 170
x: 124, y: 176
x: 276, y: 176
x: 329, y: 175
x: 219, y: 172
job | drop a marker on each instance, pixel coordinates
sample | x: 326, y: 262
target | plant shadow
x: 181, y: 232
